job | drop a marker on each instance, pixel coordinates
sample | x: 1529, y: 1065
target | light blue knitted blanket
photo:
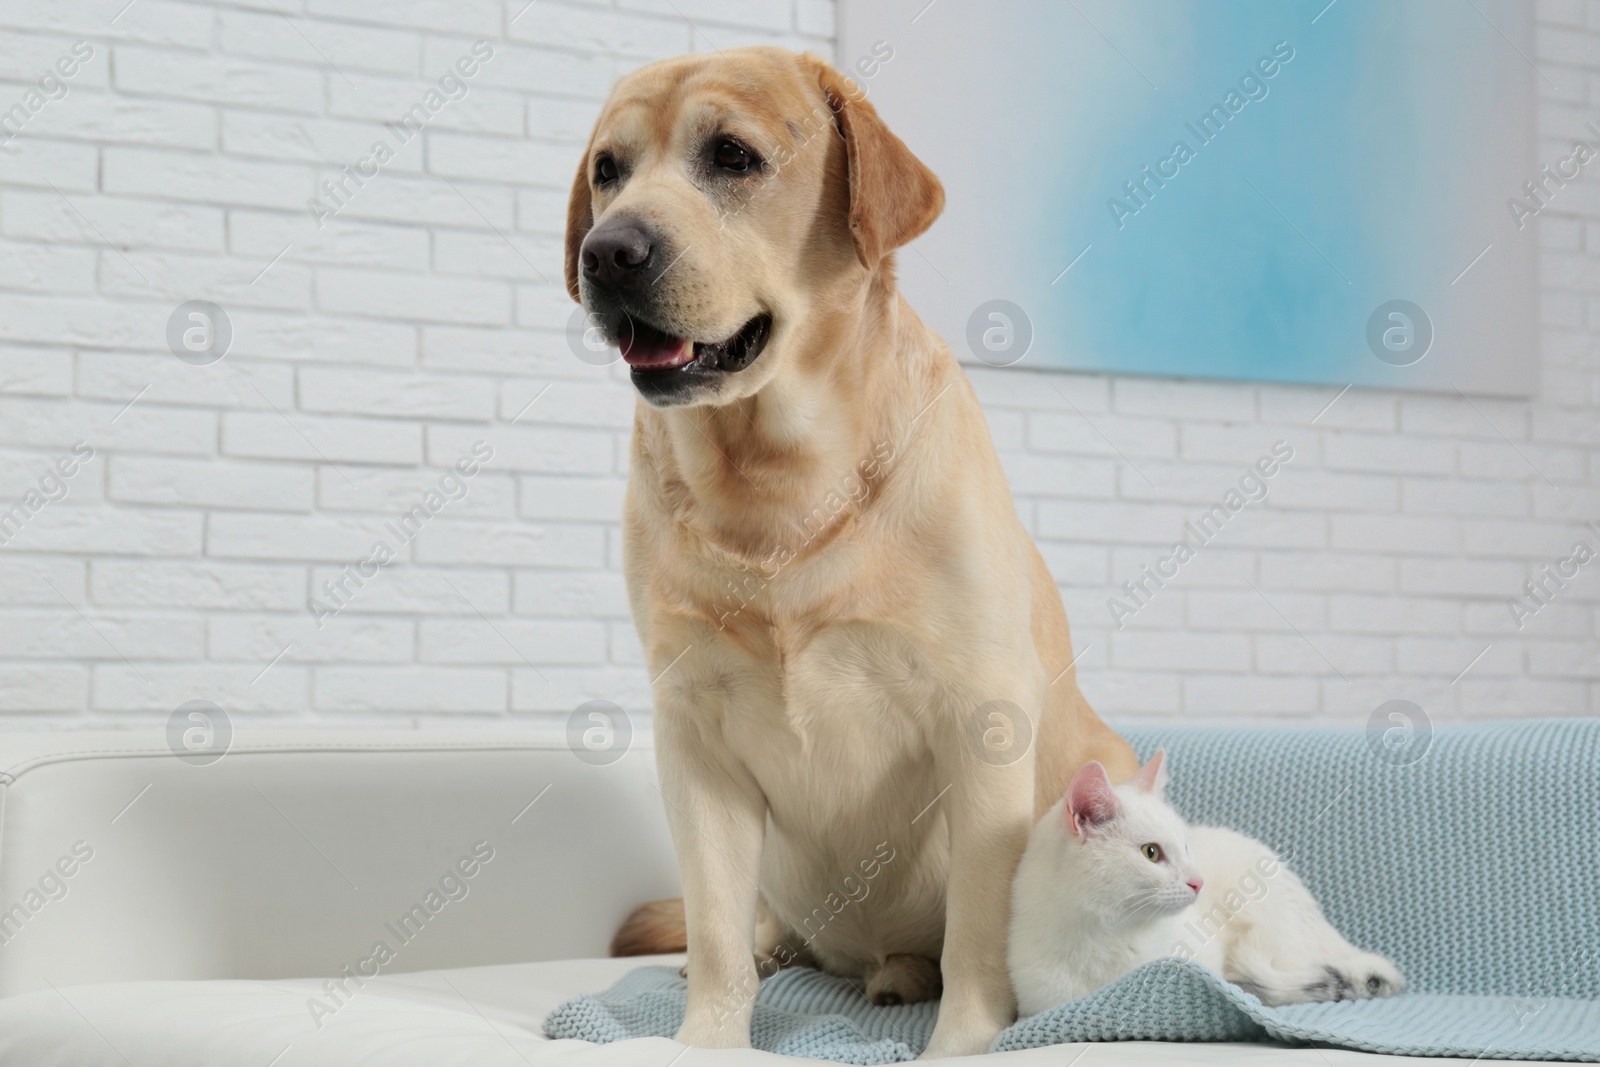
x: 1471, y: 857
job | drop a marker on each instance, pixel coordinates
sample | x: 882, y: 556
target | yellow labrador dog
x: 864, y: 688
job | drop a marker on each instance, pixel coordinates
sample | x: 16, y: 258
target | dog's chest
x: 814, y: 674
x: 842, y: 755
x: 838, y: 716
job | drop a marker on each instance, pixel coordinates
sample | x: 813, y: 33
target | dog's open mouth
x: 650, y: 351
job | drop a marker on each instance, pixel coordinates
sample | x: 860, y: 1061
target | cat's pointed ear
x: 1152, y: 777
x: 1091, y: 802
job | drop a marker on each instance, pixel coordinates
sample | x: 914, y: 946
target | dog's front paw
x: 957, y: 1045
x: 969, y: 1036
x: 714, y: 1034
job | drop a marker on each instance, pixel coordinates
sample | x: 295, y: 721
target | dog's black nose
x: 613, y: 252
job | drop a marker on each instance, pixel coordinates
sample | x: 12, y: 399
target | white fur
x: 1088, y: 906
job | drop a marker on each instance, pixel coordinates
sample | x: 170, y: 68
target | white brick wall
x: 369, y: 355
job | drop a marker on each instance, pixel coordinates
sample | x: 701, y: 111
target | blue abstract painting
x: 1308, y: 192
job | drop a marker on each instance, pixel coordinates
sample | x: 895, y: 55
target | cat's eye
x: 1152, y: 852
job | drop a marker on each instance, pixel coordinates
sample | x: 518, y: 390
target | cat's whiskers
x: 1150, y: 900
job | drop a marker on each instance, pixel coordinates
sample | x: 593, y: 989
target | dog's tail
x: 653, y: 928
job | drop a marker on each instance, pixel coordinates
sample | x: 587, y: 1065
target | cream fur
x: 825, y: 566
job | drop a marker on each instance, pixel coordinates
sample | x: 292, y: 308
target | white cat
x: 1113, y: 877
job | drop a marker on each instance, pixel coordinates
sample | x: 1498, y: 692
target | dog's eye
x: 605, y: 170
x: 1152, y: 852
x: 731, y: 155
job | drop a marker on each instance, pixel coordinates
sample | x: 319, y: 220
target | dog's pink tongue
x: 657, y: 352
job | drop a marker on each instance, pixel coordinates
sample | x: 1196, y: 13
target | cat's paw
x: 1359, y: 976
x: 1350, y: 975
x: 1374, y: 976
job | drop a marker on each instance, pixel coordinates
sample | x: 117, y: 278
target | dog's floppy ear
x: 580, y: 218
x: 894, y: 197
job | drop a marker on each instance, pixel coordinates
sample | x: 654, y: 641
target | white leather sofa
x: 162, y: 912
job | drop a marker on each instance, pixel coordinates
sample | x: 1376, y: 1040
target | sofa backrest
x: 300, y: 852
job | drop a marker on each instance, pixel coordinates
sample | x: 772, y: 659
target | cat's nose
x: 1195, y: 883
